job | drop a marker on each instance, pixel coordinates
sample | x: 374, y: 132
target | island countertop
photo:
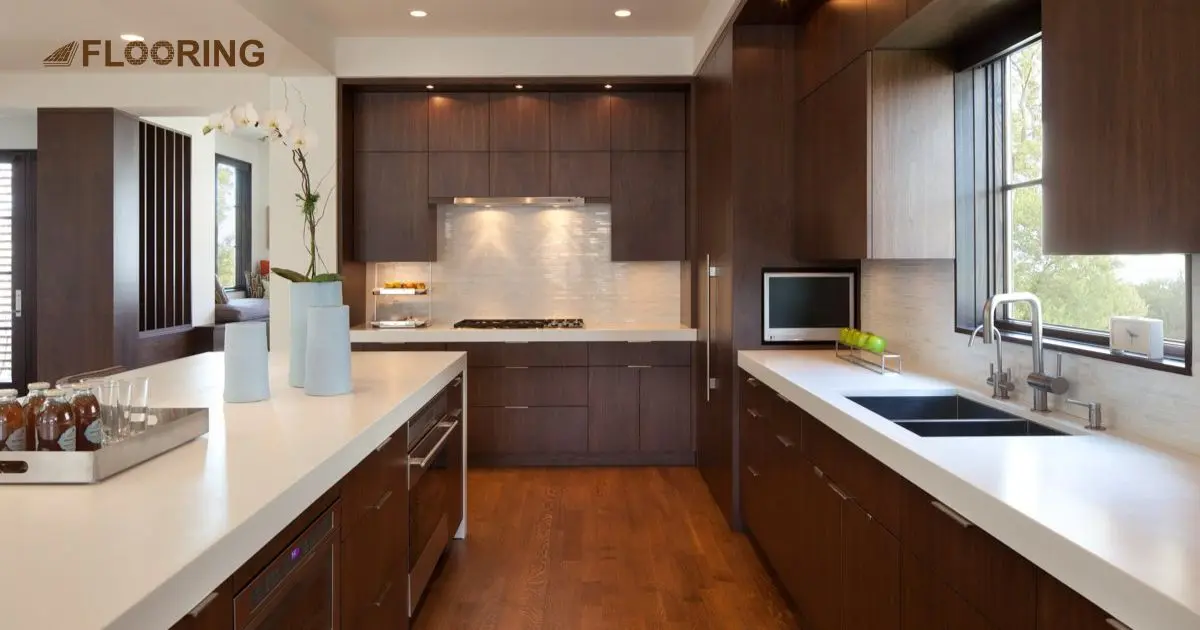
x: 1113, y: 519
x: 139, y: 550
x: 589, y: 333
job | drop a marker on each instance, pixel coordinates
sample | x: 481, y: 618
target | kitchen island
x: 141, y: 549
x: 1081, y: 530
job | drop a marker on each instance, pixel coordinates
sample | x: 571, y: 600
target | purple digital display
x: 296, y: 553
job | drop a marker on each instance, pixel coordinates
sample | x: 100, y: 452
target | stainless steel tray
x: 174, y: 427
x: 401, y: 323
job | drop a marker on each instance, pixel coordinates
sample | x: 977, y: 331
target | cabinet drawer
x: 214, y: 612
x: 528, y: 387
x: 993, y: 578
x: 397, y: 347
x: 877, y: 488
x: 383, y: 471
x: 374, y: 552
x: 1061, y: 608
x: 530, y: 431
x: 622, y: 353
x: 785, y: 421
x: 387, y: 611
x: 523, y: 354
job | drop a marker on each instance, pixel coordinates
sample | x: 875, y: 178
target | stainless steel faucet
x: 999, y: 378
x: 1041, y: 383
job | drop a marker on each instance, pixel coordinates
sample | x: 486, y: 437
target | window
x: 233, y: 222
x: 1000, y: 228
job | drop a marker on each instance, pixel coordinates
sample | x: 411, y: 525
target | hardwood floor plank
x: 603, y: 548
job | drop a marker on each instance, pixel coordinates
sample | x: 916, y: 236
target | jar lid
x: 8, y: 393
x: 55, y: 392
x: 39, y: 385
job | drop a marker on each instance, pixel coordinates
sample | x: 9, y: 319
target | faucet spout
x: 1038, y: 380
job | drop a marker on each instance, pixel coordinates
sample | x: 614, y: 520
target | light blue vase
x: 327, y: 369
x: 246, y: 376
x: 305, y: 295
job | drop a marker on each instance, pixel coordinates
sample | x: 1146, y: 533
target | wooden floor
x: 576, y: 548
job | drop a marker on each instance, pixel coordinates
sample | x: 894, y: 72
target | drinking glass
x: 138, y: 392
x: 112, y: 416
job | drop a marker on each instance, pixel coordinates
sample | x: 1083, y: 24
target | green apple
x: 844, y: 335
x: 860, y: 338
x: 875, y: 343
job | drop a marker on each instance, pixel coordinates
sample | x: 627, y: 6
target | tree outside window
x: 1076, y: 291
x: 232, y: 222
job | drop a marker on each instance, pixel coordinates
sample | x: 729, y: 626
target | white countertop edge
x: 1132, y: 601
x: 451, y: 335
x: 174, y: 598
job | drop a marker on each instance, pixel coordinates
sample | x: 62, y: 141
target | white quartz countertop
x: 141, y: 549
x: 599, y: 332
x: 1115, y: 520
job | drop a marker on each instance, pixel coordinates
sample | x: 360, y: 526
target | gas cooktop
x: 519, y: 323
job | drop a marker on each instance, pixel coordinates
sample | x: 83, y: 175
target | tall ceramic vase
x: 328, y: 371
x: 306, y: 295
x: 246, y: 375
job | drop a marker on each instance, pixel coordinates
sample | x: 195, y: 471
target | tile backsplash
x: 533, y: 262
x: 911, y: 303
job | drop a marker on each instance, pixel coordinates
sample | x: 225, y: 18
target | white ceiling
x: 506, y: 18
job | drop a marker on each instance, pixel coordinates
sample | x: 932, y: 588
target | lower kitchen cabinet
x: 927, y: 603
x: 521, y: 386
x: 639, y: 409
x: 1060, y: 608
x: 870, y: 572
x: 818, y: 591
x: 525, y: 432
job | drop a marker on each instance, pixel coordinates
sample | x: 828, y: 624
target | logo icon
x: 62, y: 56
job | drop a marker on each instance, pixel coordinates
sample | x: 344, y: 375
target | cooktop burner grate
x: 519, y: 323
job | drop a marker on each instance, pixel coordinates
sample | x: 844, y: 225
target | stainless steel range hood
x: 542, y: 202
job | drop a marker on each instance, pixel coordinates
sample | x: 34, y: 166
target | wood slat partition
x: 166, y: 172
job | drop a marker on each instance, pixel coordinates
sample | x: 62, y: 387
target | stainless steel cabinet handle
x: 383, y: 443
x: 516, y: 367
x: 195, y: 612
x: 753, y: 473
x: 753, y: 382
x: 782, y: 397
x: 424, y: 462
x: 383, y: 499
x: 784, y: 441
x: 708, y: 327
x: 954, y: 516
x: 1117, y: 624
x: 640, y: 367
x: 383, y: 594
x: 516, y: 407
x: 818, y: 472
x: 456, y: 382
x: 753, y: 413
x: 838, y: 491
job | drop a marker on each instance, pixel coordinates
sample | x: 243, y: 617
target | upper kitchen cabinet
x: 458, y: 122
x: 580, y: 121
x: 649, y: 121
x: 580, y: 174
x: 1121, y: 127
x: 648, y: 205
x: 834, y: 35
x: 875, y: 160
x: 520, y: 174
x: 391, y: 121
x: 392, y: 217
x: 520, y: 122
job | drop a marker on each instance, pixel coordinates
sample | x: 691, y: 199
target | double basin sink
x: 951, y: 416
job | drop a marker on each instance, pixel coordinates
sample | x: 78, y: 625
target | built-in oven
x: 434, y: 491
x: 298, y: 590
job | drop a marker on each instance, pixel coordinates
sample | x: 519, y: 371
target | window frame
x: 982, y: 188
x: 242, y: 217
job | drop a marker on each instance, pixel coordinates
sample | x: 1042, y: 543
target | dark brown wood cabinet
x: 916, y: 5
x: 875, y: 161
x: 520, y: 174
x: 613, y: 409
x: 1060, y: 608
x: 393, y: 219
x: 883, y: 16
x: 526, y: 435
x: 520, y: 122
x: 649, y: 121
x: 581, y: 174
x: 639, y: 408
x: 649, y: 195
x: 459, y: 174
x: 926, y: 602
x: 513, y: 386
x: 833, y: 36
x: 1119, y: 106
x: 391, y: 121
x: 459, y: 122
x: 580, y: 122
x: 214, y: 612
x: 870, y: 572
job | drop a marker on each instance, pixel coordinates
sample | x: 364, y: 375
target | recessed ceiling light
x: 131, y: 37
x: 417, y: 13
x: 519, y: 86
x: 428, y: 87
x: 623, y: 13
x: 608, y: 86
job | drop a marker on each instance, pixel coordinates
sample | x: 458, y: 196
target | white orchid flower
x: 245, y: 115
x: 303, y: 138
x: 278, y: 122
x: 214, y: 122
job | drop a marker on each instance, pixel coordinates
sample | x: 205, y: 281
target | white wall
x: 513, y: 56
x: 912, y: 305
x: 204, y: 238
x: 145, y: 94
x: 18, y: 131
x: 319, y: 96
x: 257, y: 155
